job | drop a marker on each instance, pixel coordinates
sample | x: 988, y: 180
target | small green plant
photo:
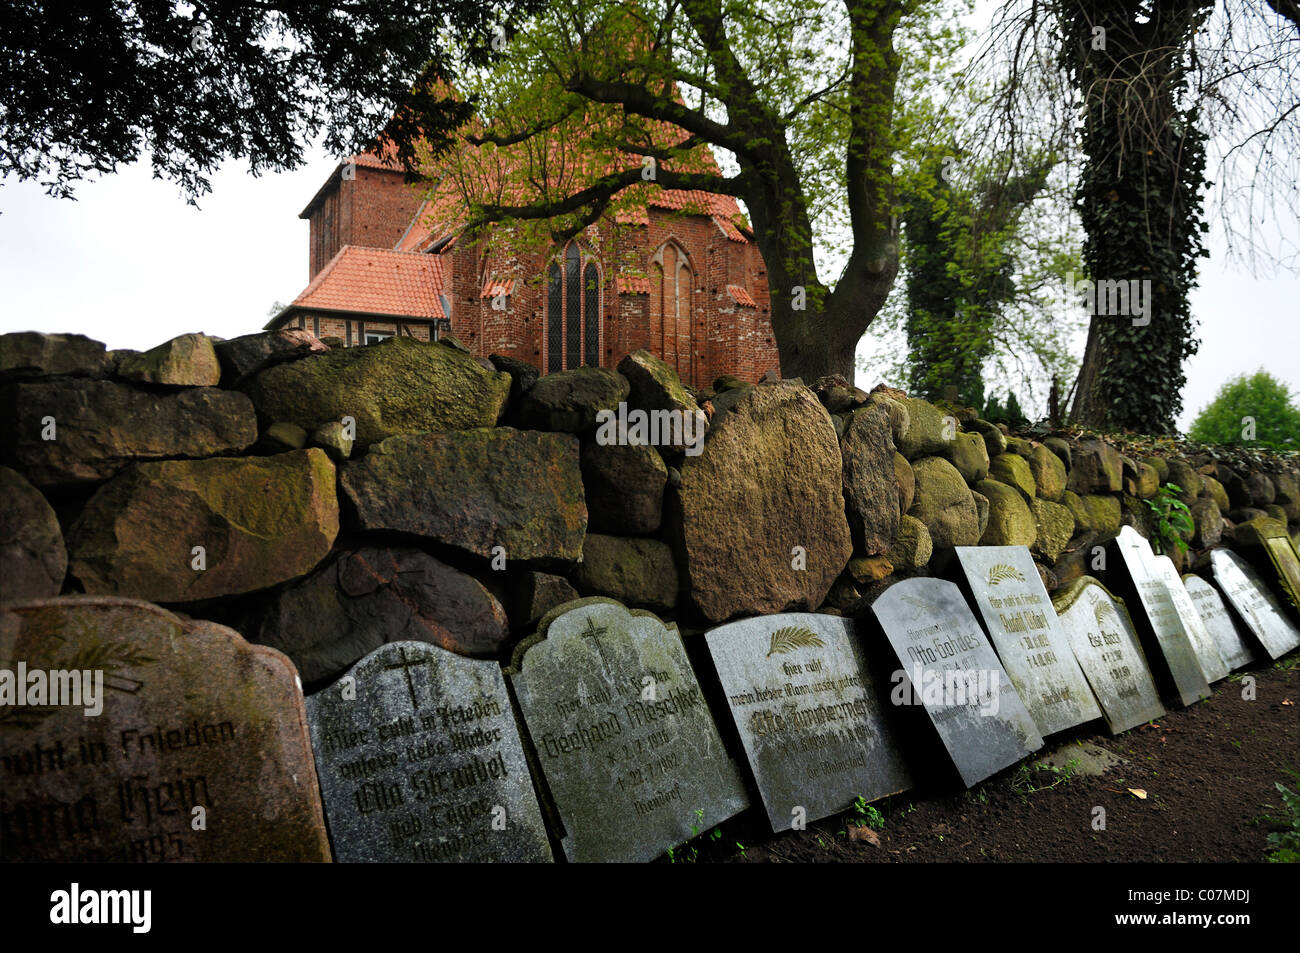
x: 1285, y: 843
x: 868, y: 816
x: 1172, y: 519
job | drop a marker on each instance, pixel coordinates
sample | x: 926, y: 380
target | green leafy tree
x: 1255, y: 411
x: 86, y: 87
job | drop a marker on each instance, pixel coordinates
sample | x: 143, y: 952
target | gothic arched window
x: 572, y: 311
x: 671, y: 284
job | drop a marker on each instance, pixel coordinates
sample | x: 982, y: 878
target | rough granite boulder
x: 33, y: 559
x: 476, y: 490
x: 624, y: 487
x: 1010, y: 521
x: 981, y: 510
x: 1048, y: 472
x: 1214, y: 489
x: 870, y: 484
x: 764, y: 499
x: 1060, y: 447
x: 568, y: 401
x: 247, y: 354
x: 1013, y: 470
x: 969, y: 454
x: 1095, y: 468
x: 912, y: 547
x: 25, y: 354
x: 185, y: 361
x: 1209, y: 523
x: 995, y: 441
x: 906, y: 481
x: 944, y: 504
x: 259, y: 520
x: 399, y: 386
x: 636, y: 572
x: 532, y: 595
x: 366, y: 597
x: 929, y: 430
x: 1182, y: 475
x: 655, y: 386
x: 98, y: 427
x: 1055, y: 528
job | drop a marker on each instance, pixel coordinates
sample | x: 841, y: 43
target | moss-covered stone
x: 912, y: 547
x: 281, y: 436
x: 1136, y: 513
x: 333, y: 439
x: 1061, y: 448
x: 624, y: 487
x: 1160, y: 465
x: 1101, y: 514
x: 869, y: 569
x: 1055, y: 528
x: 1010, y: 521
x: 25, y: 354
x: 1187, y: 479
x: 981, y: 511
x: 656, y: 386
x: 1019, y: 446
x: 1148, y: 482
x: 944, y: 503
x: 906, y: 481
x: 636, y: 572
x: 1013, y: 470
x: 1049, y: 473
x: 187, y: 361
x: 569, y: 401
x: 397, y: 387
x: 929, y: 431
x: 995, y: 441
x: 1254, y: 532
x: 33, y: 558
x: 1209, y: 523
x: 970, y: 456
x: 1096, y: 468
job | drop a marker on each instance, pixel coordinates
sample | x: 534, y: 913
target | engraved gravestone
x: 1022, y: 624
x: 419, y: 760
x: 198, y: 750
x: 628, y: 748
x: 806, y: 709
x: 1223, y: 628
x: 1254, y: 603
x: 953, y: 671
x: 1286, y: 563
x: 1203, y: 643
x: 1107, y: 647
x: 1161, y: 617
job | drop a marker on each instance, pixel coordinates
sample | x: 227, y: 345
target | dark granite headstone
x: 1107, y: 647
x: 1253, y: 601
x: 1232, y: 647
x: 198, y: 753
x: 1203, y: 643
x: 419, y: 760
x: 953, y: 671
x: 806, y: 708
x: 1023, y: 627
x: 629, y: 750
x: 1159, y: 617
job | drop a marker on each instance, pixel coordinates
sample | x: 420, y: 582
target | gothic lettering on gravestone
x: 1023, y: 627
x: 420, y: 761
x: 1256, y: 605
x: 1107, y: 647
x: 631, y: 755
x: 1223, y: 628
x: 807, y: 712
x: 1160, y: 617
x: 1203, y: 644
x: 949, y: 667
x: 199, y: 752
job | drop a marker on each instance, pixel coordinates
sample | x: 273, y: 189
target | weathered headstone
x: 1203, y: 643
x: 1107, y: 647
x: 1023, y: 627
x: 199, y: 752
x: 629, y: 750
x: 954, y: 672
x: 1232, y: 647
x: 1254, y: 603
x: 1286, y: 562
x: 1161, y: 617
x: 419, y: 759
x: 806, y: 708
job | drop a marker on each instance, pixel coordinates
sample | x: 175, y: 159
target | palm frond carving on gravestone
x: 793, y: 637
x: 1002, y: 572
x: 90, y: 656
x: 921, y: 604
x: 1101, y: 611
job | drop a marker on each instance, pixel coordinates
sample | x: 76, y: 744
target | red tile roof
x: 741, y: 296
x: 632, y: 285
x: 493, y: 288
x: 377, y: 281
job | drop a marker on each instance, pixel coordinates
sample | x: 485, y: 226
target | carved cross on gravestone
x: 405, y: 666
x: 593, y: 632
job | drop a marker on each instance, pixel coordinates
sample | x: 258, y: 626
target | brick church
x: 679, y: 275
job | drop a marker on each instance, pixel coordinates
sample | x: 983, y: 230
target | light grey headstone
x: 1107, y: 647
x: 805, y: 706
x: 943, y: 653
x: 629, y: 749
x: 1213, y: 667
x: 1223, y: 627
x: 1157, y: 604
x: 419, y: 759
x: 1022, y: 624
x: 1253, y: 601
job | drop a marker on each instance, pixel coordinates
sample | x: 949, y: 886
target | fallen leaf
x: 864, y: 834
x: 1138, y: 793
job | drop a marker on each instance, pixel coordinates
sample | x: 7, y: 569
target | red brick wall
x: 372, y: 209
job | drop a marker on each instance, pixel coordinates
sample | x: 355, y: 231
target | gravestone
x: 629, y: 750
x: 953, y: 671
x: 1203, y: 642
x: 1107, y: 647
x: 1253, y: 601
x: 419, y: 759
x: 806, y: 709
x: 1232, y: 647
x: 198, y: 753
x: 1159, y: 617
x: 1286, y: 563
x: 1023, y: 627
